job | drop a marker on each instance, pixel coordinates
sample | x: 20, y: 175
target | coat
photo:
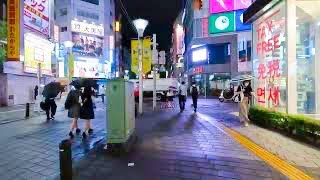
x: 86, y: 110
x: 73, y: 100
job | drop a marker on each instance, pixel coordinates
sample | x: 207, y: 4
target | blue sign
x: 240, y: 26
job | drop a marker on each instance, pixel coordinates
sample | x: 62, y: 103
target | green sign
x: 221, y: 23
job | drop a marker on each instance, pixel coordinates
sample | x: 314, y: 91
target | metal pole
x: 65, y: 155
x: 140, y: 77
x: 154, y: 49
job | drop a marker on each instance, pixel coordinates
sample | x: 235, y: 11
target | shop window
x: 63, y: 12
x: 307, y: 52
x: 269, y: 59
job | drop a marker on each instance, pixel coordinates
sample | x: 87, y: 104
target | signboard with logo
x: 37, y: 50
x: 134, y: 56
x: 13, y: 30
x: 89, y: 68
x: 87, y: 28
x: 147, y: 55
x: 240, y: 25
x: 218, y: 6
x: 36, y: 16
x: 221, y: 23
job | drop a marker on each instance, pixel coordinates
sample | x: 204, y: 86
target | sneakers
x: 246, y: 124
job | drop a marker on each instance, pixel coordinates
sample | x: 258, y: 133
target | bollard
x: 27, y: 110
x: 65, y: 160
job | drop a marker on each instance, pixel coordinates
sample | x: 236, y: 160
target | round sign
x: 222, y: 23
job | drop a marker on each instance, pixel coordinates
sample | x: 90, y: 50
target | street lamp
x: 140, y: 25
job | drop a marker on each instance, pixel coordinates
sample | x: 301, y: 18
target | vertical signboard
x: 147, y: 55
x: 205, y: 24
x: 71, y: 66
x: 36, y: 16
x: 13, y: 30
x: 134, y: 56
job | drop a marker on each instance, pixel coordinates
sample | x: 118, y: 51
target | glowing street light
x: 140, y: 25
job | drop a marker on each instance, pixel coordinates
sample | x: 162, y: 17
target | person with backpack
x: 194, y: 90
x: 182, y: 96
x: 73, y: 105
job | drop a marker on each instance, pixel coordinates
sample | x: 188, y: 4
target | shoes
x: 78, y: 131
x: 71, y: 135
x: 246, y: 124
x: 84, y: 135
x: 90, y: 131
x: 195, y: 110
x: 48, y: 119
x: 52, y: 118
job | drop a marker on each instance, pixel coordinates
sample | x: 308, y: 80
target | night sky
x: 161, y: 15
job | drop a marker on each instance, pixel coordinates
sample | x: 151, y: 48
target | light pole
x: 140, y: 25
x: 68, y: 45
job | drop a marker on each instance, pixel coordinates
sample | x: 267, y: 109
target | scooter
x: 229, y: 95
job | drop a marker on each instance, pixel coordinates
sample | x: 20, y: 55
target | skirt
x: 74, y: 111
x: 244, y: 109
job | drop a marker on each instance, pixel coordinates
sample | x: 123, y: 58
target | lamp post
x: 140, y: 25
x: 68, y: 45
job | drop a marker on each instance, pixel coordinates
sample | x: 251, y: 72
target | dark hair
x: 87, y: 92
x: 183, y: 82
x: 193, y: 82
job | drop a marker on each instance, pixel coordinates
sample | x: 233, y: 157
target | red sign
x: 198, y: 70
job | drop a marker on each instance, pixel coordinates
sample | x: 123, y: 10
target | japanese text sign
x: 13, y: 30
x: 36, y: 16
x: 87, y: 28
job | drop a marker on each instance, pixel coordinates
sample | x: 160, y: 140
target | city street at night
x: 159, y: 90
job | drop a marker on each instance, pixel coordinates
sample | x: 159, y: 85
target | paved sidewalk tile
x: 301, y: 155
x: 177, y: 146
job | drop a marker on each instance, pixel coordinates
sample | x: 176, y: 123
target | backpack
x: 194, y: 91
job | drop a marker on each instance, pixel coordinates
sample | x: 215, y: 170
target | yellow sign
x: 37, y: 50
x: 71, y: 66
x: 135, y: 56
x: 13, y: 30
x: 147, y: 55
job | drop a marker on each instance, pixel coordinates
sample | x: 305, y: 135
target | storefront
x: 286, y: 44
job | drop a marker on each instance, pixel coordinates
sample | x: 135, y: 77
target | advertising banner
x: 89, y: 68
x: 71, y: 66
x: 242, y: 4
x: 134, y: 56
x: 86, y: 45
x: 221, y: 23
x: 13, y: 53
x: 37, y: 50
x: 87, y: 28
x: 36, y: 16
x: 147, y: 55
x: 240, y: 26
x: 219, y: 6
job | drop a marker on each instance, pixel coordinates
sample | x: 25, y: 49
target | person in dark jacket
x: 73, y: 105
x: 194, y: 90
x: 50, y: 106
x: 36, y: 92
x: 86, y: 110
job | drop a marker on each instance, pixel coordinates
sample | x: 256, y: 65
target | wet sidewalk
x: 30, y: 149
x: 296, y: 153
x: 177, y: 146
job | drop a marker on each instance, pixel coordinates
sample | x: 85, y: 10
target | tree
x: 3, y: 37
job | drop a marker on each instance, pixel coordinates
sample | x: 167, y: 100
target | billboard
x: 37, y: 50
x: 36, y: 16
x: 200, y: 55
x: 134, y: 56
x: 221, y: 23
x: 87, y: 45
x: 219, y: 6
x: 240, y: 25
x: 13, y: 30
x: 89, y: 68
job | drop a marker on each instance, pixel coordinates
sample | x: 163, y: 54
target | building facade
x: 218, y: 43
x: 286, y: 41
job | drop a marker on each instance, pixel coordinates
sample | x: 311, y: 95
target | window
x: 63, y: 12
x: 96, y: 2
x: 86, y: 14
x: 64, y: 29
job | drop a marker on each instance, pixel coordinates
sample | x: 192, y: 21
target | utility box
x: 120, y: 111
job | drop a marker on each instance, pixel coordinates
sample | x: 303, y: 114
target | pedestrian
x: 182, y: 96
x: 102, y: 91
x: 194, y: 90
x: 51, y: 106
x: 36, y: 92
x: 73, y: 105
x: 86, y: 110
x: 93, y: 97
x: 246, y: 93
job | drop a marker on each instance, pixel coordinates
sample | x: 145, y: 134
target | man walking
x: 194, y: 90
x: 102, y: 91
x: 182, y: 96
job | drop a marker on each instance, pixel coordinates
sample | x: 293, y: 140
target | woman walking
x: 246, y: 93
x: 73, y: 105
x: 86, y: 111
